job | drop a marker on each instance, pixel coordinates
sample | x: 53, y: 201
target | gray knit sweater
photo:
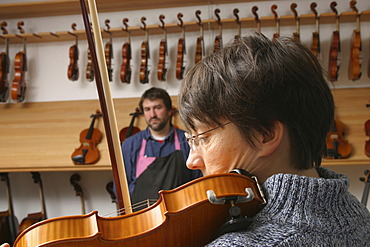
x: 303, y: 211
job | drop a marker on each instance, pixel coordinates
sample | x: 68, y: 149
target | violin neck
x: 91, y: 128
x: 37, y: 179
x: 5, y: 178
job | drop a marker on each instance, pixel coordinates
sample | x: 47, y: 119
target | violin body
x: 19, y: 83
x: 108, y: 58
x: 199, y: 50
x: 89, y: 67
x: 367, y: 143
x: 88, y: 153
x: 144, y: 72
x: 30, y: 220
x: 4, y: 71
x: 131, y: 129
x: 334, y: 62
x: 181, y: 50
x: 73, y: 71
x: 125, y: 67
x: 162, y: 70
x: 217, y: 44
x: 181, y: 217
x: 355, y: 62
x: 337, y: 147
x: 315, y: 47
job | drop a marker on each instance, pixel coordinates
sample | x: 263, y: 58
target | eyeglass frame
x: 191, y: 140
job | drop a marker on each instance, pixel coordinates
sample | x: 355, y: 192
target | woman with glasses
x: 264, y: 106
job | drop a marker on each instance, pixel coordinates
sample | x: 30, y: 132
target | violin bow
x: 106, y: 104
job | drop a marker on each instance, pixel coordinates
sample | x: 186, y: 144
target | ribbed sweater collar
x: 322, y: 204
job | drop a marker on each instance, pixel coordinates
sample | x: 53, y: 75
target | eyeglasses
x: 194, y: 141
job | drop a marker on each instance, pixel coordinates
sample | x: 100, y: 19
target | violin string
x: 139, y: 205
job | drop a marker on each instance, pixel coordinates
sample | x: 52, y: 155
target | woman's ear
x: 269, y: 143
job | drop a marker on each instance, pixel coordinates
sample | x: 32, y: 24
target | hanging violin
x: 296, y: 34
x: 112, y: 194
x: 20, y: 67
x: 4, y: 67
x: 218, y: 39
x: 89, y: 67
x: 181, y: 50
x: 162, y: 70
x: 238, y: 22
x: 200, y: 42
x: 367, y: 131
x: 337, y: 147
x: 256, y: 18
x: 126, y: 56
x: 131, y: 129
x: 39, y: 216
x: 109, y: 51
x: 145, y: 55
x: 88, y: 152
x: 334, y: 54
x: 354, y: 72
x: 315, y: 46
x: 8, y: 221
x: 277, y: 21
x: 73, y: 71
x: 79, y: 192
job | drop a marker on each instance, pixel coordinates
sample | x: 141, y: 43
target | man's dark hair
x: 156, y: 93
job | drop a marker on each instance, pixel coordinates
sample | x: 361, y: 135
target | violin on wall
x: 88, y: 152
x: 163, y: 52
x: 315, y: 46
x: 20, y: 67
x: 4, y: 67
x: 109, y: 51
x: 126, y: 56
x: 145, y: 55
x: 367, y: 131
x: 337, y: 147
x: 354, y: 72
x: 39, y: 216
x: 181, y: 50
x: 366, y: 180
x: 8, y: 221
x: 217, y: 45
x: 200, y: 42
x: 131, y: 129
x: 334, y: 54
x: 73, y: 71
x: 277, y: 21
x: 296, y: 34
x: 89, y: 67
x: 79, y: 192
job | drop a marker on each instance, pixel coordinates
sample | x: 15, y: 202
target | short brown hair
x: 156, y: 93
x: 255, y: 82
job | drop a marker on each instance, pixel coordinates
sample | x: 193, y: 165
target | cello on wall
x: 181, y: 50
x: 8, y: 221
x: 334, y: 54
x: 73, y: 71
x: 39, y: 216
x: 20, y: 67
x: 126, y: 56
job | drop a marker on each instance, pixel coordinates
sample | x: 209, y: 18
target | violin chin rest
x: 234, y: 225
x: 79, y: 159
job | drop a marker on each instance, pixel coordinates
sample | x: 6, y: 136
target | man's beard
x: 158, y: 127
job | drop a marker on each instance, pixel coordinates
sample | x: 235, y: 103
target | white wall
x: 47, y: 81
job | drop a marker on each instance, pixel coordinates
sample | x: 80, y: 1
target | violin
x: 365, y: 193
x: 109, y: 51
x: 354, y: 72
x: 238, y: 22
x: 334, y: 55
x: 131, y: 129
x: 181, y: 50
x: 88, y: 152
x: 20, y: 67
x: 337, y: 147
x: 296, y: 34
x: 126, y: 56
x: 209, y: 204
x: 162, y: 70
x: 79, y: 192
x: 315, y: 46
x: 200, y: 42
x: 73, y: 71
x: 256, y: 18
x: 145, y: 55
x: 39, y: 216
x: 277, y: 21
x: 89, y: 67
x: 4, y: 67
x: 109, y: 188
x: 218, y: 39
x: 8, y: 221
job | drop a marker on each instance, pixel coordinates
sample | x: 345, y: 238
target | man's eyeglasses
x: 194, y: 141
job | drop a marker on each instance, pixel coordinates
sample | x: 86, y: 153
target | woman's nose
x: 195, y: 161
